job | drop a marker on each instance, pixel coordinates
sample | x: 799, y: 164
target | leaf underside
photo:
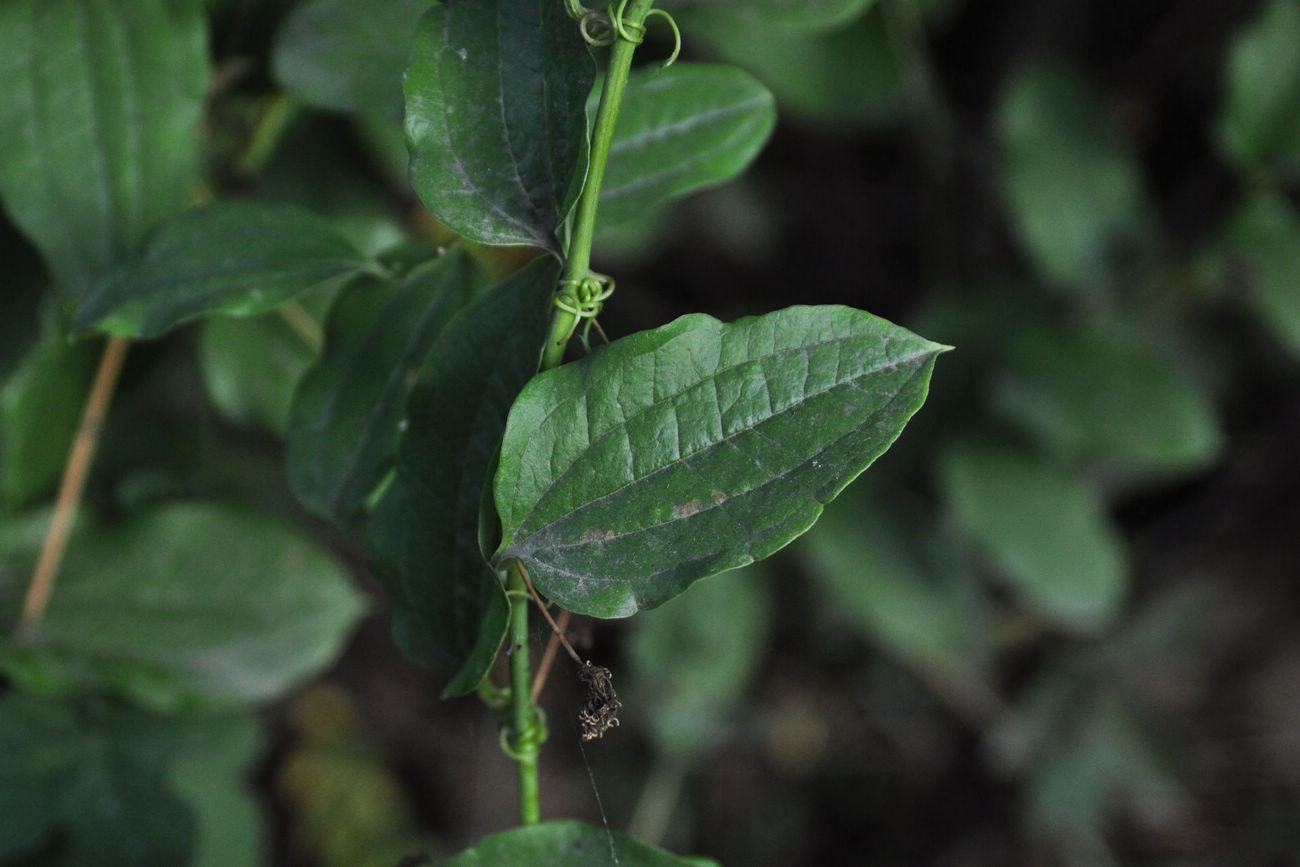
x: 678, y: 453
x: 564, y: 844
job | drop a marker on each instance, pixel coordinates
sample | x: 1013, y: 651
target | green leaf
x: 693, y: 659
x: 238, y: 258
x: 100, y: 103
x: 449, y: 609
x: 347, y: 56
x: 496, y: 121
x: 40, y: 408
x: 784, y: 13
x: 189, y: 604
x: 211, y: 774
x: 678, y: 453
x: 1259, y: 122
x: 1097, y: 397
x: 563, y: 844
x: 347, y: 413
x: 1072, y: 186
x: 36, y: 753
x: 1047, y: 532
x: 683, y: 128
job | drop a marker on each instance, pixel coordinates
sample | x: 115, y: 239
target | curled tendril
x: 584, y: 298
x: 602, y: 28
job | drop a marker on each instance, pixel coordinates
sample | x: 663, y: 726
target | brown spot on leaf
x: 594, y: 535
x: 685, y: 510
x: 718, y: 497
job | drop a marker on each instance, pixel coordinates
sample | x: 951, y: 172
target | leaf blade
x: 629, y: 475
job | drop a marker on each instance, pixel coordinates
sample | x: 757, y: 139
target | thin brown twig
x: 559, y: 633
x: 73, y: 484
x: 548, y: 658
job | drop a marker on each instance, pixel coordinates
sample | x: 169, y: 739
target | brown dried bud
x: 600, y: 714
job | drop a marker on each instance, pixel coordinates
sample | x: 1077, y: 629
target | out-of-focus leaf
x: 1072, y: 186
x: 449, y: 609
x: 784, y: 13
x: 698, y: 447
x: 1097, y: 397
x: 188, y: 605
x: 564, y: 844
x: 496, y: 121
x: 1259, y: 122
x: 1046, y: 531
x: 94, y: 777
x: 212, y: 773
x: 692, y: 659
x: 840, y: 77
x: 683, y: 128
x: 347, y: 56
x: 40, y: 406
x: 237, y: 258
x: 100, y: 103
x: 347, y: 414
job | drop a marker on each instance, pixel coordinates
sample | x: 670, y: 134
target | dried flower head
x: 600, y: 713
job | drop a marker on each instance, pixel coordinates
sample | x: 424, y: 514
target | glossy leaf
x: 681, y: 129
x: 40, y: 408
x: 678, y: 453
x: 1072, y: 186
x: 692, y: 659
x: 347, y: 56
x: 1046, y: 531
x: 496, y: 121
x: 100, y: 103
x: 187, y: 605
x: 449, y: 609
x: 238, y: 258
x: 346, y: 414
x: 1260, y: 247
x: 1096, y: 397
x: 564, y: 844
x: 1259, y: 123
x: 785, y: 13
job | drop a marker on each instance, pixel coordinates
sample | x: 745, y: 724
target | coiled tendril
x: 584, y: 298
x: 602, y: 28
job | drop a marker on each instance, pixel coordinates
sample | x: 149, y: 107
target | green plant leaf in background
x: 698, y: 447
x: 211, y: 772
x: 565, y: 844
x: 190, y: 604
x: 100, y: 103
x: 449, y: 609
x: 1073, y: 188
x: 683, y: 128
x: 88, y: 781
x: 496, y: 122
x: 1046, y: 531
x: 1259, y: 122
x: 784, y: 13
x: 40, y: 407
x: 347, y: 412
x: 237, y: 258
x: 1099, y: 397
x: 347, y: 56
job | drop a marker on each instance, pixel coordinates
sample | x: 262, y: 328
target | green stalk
x: 525, y: 735
x: 584, y: 225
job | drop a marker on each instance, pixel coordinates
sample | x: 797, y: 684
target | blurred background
x: 1057, y: 624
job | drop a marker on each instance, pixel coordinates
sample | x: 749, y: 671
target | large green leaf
x: 496, y: 122
x: 1099, y: 397
x: 238, y: 258
x: 683, y: 128
x: 678, y: 453
x: 1072, y: 186
x: 346, y: 415
x: 347, y: 56
x: 88, y: 781
x: 211, y: 772
x: 1259, y: 123
x: 190, y: 604
x: 99, y: 103
x: 565, y: 844
x: 449, y: 609
x: 1046, y: 531
x: 785, y: 13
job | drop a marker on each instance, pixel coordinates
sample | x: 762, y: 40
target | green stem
x: 584, y: 225
x: 525, y: 732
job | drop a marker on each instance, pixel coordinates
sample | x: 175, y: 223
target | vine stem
x: 525, y: 734
x: 73, y: 485
x: 602, y: 136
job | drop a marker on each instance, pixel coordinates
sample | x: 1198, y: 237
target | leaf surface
x: 496, y: 122
x: 233, y: 257
x: 564, y: 844
x: 681, y: 129
x: 449, y: 609
x: 1259, y: 122
x: 190, y: 604
x: 100, y: 103
x: 347, y: 412
x: 678, y: 453
x: 785, y: 13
